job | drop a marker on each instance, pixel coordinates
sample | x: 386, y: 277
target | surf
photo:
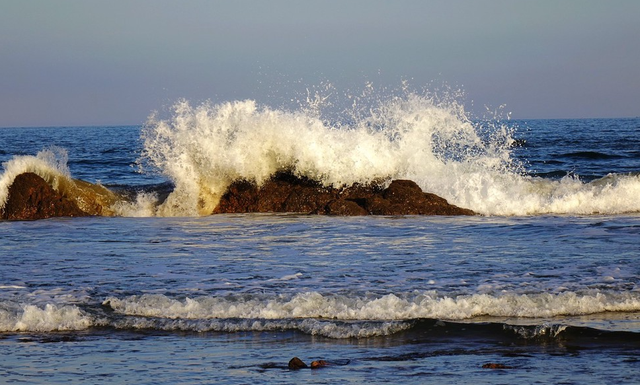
x: 428, y: 139
x: 201, y: 149
x: 51, y: 165
x: 331, y: 315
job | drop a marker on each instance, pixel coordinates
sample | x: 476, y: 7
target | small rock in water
x: 319, y: 364
x: 296, y: 364
x: 31, y: 197
x: 496, y: 366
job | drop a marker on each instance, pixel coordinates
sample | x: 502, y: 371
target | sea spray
x: 428, y: 138
x: 51, y: 165
x: 431, y: 140
x: 203, y: 149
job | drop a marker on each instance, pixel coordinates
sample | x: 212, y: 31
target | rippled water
x: 270, y: 258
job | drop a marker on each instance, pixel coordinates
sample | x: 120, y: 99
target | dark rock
x: 296, y: 364
x: 319, y: 364
x: 285, y: 192
x: 345, y: 207
x: 407, y: 198
x: 240, y: 197
x: 93, y: 199
x: 31, y: 197
x: 377, y: 205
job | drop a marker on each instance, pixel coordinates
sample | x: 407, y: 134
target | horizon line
x: 141, y: 124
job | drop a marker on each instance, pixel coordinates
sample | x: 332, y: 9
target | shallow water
x: 391, y: 282
x: 258, y: 357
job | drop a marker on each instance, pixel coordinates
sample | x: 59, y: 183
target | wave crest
x: 31, y: 318
x: 389, y: 307
x: 203, y: 149
x: 51, y: 165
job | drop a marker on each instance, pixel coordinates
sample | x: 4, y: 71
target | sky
x: 90, y: 62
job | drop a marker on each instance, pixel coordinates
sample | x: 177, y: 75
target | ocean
x: 543, y: 283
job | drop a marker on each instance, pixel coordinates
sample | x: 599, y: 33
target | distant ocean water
x: 545, y: 280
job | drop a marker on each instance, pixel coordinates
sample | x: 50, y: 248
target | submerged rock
x: 285, y: 192
x: 319, y: 364
x: 295, y: 363
x: 31, y: 197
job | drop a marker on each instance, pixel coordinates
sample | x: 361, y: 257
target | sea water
x: 545, y: 280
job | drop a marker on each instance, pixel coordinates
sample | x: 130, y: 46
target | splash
x: 419, y: 136
x: 51, y: 165
x: 31, y: 318
x: 203, y: 149
x: 423, y: 136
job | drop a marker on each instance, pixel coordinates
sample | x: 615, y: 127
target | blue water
x: 590, y: 148
x: 232, y: 298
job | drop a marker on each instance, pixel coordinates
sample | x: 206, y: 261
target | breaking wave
x: 201, y: 149
x: 389, y: 307
x: 51, y: 165
x: 334, y: 316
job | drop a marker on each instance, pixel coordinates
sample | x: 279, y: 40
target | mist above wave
x: 202, y: 149
x: 431, y: 140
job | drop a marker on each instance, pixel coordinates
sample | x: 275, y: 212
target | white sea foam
x: 327, y: 328
x: 49, y: 164
x: 144, y: 205
x: 313, y: 313
x: 553, y: 330
x: 203, y: 148
x: 31, y: 318
x: 388, y: 307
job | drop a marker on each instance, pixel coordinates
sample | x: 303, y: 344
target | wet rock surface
x: 288, y: 193
x: 31, y: 197
x: 319, y: 364
x: 295, y: 364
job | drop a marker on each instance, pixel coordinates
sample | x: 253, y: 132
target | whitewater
x: 202, y: 149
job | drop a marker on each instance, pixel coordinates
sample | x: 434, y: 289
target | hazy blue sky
x: 113, y: 62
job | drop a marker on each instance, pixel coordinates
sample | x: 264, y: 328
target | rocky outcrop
x: 288, y: 193
x: 31, y: 197
x: 295, y: 364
